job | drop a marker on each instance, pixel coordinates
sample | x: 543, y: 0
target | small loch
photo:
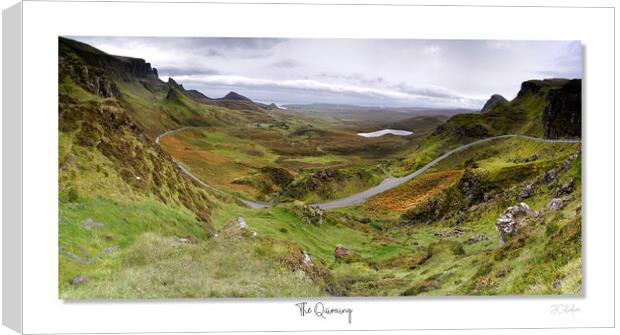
x: 382, y: 132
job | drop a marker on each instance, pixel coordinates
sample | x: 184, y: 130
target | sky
x: 368, y: 72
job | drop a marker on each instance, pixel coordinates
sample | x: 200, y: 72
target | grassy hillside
x: 121, y: 197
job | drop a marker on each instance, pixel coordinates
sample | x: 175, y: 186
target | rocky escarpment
x: 124, y: 68
x: 562, y: 115
x: 492, y: 102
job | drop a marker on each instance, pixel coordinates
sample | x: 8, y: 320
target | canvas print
x: 194, y: 167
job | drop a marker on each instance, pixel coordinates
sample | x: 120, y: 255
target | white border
x: 43, y: 22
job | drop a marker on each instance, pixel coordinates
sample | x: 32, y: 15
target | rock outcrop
x: 473, y: 185
x: 548, y: 177
x: 527, y: 191
x: 236, y: 228
x: 566, y: 188
x: 91, y: 79
x: 508, y: 222
x: 311, y: 214
x: 556, y: 204
x: 173, y: 87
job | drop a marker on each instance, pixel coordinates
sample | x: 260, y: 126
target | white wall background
x: 598, y: 115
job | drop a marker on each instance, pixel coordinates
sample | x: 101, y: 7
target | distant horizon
x: 388, y: 73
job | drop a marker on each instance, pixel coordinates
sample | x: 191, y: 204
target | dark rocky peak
x: 236, y: 96
x: 194, y: 94
x: 492, y: 102
x: 174, y: 84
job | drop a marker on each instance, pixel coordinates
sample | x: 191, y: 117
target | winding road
x: 391, y: 182
x: 387, y: 184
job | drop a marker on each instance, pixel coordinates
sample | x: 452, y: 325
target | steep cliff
x: 562, y: 115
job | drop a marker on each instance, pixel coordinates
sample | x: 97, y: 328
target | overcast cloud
x: 416, y: 73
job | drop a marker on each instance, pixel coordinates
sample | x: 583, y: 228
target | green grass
x: 159, y: 267
x: 319, y: 241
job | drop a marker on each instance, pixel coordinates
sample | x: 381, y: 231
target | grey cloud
x: 286, y: 63
x: 312, y: 88
x: 460, y: 73
x: 434, y: 92
x: 185, y: 71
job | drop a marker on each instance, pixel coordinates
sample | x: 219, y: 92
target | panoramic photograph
x: 226, y: 167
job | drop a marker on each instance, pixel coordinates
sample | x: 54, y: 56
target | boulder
x: 236, y: 228
x: 555, y: 204
x: 513, y: 217
x: 566, y: 164
x: 548, y: 176
x: 527, y: 191
x: 520, y: 210
x: 566, y: 188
